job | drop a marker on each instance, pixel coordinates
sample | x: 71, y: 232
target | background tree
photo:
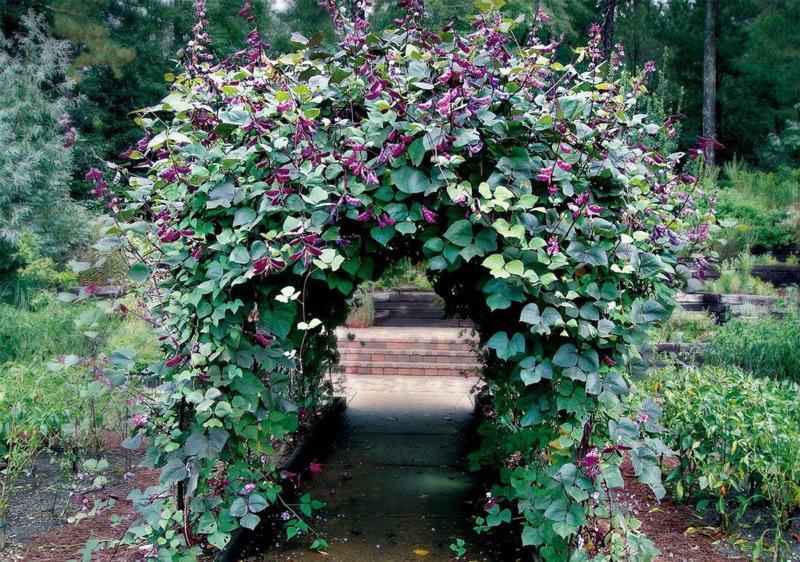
x: 36, y: 162
x: 710, y: 79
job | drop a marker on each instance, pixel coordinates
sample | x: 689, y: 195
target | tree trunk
x: 710, y: 80
x: 607, y: 29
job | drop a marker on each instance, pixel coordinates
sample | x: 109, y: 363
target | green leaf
x: 530, y: 314
x: 238, y: 508
x: 139, y: 273
x: 594, y: 255
x: 382, y: 234
x: 566, y: 356
x: 498, y: 301
x: 256, y: 503
x: 416, y: 151
x: 460, y: 233
x: 249, y: 521
x: 410, y: 180
x: 243, y: 216
x: 240, y: 255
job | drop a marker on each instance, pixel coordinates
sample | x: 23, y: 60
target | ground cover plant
x: 737, y: 437
x: 267, y: 188
x: 58, y: 365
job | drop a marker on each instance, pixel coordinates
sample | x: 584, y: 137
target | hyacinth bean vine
x: 267, y: 188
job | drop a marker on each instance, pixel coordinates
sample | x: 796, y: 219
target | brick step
x: 404, y: 296
x: 394, y: 304
x: 417, y: 314
x: 407, y: 368
x: 407, y: 355
x: 404, y: 346
x: 407, y: 322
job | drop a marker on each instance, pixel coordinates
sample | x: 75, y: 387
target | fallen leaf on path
x: 421, y: 552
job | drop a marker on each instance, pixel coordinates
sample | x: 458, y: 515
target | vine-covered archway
x: 267, y: 188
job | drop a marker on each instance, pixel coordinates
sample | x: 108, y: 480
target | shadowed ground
x: 396, y: 482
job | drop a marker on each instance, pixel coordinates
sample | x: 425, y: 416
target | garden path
x: 396, y: 482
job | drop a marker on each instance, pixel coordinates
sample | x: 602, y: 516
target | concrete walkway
x: 395, y: 482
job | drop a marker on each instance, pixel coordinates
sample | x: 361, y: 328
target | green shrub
x: 769, y: 259
x: 737, y: 437
x: 765, y: 227
x: 403, y: 273
x: 32, y: 272
x: 768, y: 346
x: 761, y: 203
x: 36, y: 160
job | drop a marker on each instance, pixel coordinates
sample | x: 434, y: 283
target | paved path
x: 395, y: 483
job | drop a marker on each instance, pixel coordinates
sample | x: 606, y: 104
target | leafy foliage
x: 761, y: 204
x: 687, y: 327
x: 736, y: 277
x: 737, y: 437
x: 269, y: 188
x: 52, y: 399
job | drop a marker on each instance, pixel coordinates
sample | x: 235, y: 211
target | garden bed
x: 38, y: 529
x: 779, y: 275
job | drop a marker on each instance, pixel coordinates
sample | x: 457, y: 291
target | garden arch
x: 267, y: 188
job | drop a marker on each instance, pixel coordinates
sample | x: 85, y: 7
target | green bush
x: 768, y: 346
x: 36, y: 160
x: 737, y: 436
x: 403, y: 273
x: 761, y: 203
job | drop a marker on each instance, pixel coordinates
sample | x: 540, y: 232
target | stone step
x: 407, y: 322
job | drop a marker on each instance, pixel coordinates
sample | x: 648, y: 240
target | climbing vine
x: 267, y: 188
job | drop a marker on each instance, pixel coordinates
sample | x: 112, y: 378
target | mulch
x: 674, y: 528
x: 61, y: 542
x: 66, y: 542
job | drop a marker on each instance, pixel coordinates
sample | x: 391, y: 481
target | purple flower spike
x: 428, y: 215
x: 94, y: 175
x: 552, y: 245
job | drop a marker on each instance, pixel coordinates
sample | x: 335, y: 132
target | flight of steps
x: 397, y: 351
x: 409, y: 308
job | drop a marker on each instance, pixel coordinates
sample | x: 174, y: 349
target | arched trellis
x: 267, y: 189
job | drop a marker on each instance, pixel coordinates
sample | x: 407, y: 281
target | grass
x: 736, y: 278
x: 687, y: 327
x: 767, y: 347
